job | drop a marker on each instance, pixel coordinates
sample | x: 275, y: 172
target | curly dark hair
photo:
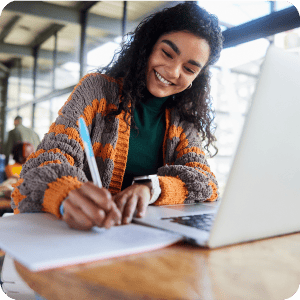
x: 130, y: 64
x: 17, y: 152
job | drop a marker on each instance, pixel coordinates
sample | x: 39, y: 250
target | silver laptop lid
x: 262, y: 195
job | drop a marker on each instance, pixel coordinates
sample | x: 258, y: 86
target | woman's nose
x: 173, y: 70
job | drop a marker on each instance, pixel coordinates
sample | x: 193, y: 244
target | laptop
x: 262, y: 195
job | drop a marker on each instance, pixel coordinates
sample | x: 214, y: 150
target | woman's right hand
x: 90, y: 206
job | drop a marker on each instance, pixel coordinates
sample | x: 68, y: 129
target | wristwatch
x: 155, y: 189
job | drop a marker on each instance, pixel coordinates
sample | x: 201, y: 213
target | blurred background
x: 47, y: 46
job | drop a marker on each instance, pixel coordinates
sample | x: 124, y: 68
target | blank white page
x: 40, y: 241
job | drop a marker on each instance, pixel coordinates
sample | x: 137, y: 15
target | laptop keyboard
x: 203, y: 222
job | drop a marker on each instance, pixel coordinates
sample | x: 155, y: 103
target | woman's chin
x: 158, y: 93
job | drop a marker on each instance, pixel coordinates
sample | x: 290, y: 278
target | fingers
x: 90, y: 206
x: 113, y: 217
x: 121, y: 201
x: 135, y: 197
x: 100, y: 196
x: 75, y: 218
x: 129, y: 209
x: 77, y: 202
x: 141, y: 208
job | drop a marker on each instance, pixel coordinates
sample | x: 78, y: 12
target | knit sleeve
x: 57, y: 166
x: 186, y: 176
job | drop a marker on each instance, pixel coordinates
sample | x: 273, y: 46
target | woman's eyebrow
x: 195, y: 63
x: 172, y: 45
x: 177, y: 51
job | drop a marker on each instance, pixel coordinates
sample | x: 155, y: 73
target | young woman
x: 148, y: 112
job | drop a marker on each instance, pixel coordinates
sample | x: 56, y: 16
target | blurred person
x: 20, y: 153
x: 19, y: 134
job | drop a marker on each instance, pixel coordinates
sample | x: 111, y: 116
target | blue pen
x: 89, y: 152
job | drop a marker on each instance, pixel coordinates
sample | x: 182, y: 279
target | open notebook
x: 40, y: 241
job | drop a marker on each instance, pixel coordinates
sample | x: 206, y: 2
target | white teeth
x: 162, y: 79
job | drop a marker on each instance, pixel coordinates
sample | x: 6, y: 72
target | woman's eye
x: 189, y: 70
x: 166, y: 53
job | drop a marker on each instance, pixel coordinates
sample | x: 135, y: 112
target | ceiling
x: 27, y: 24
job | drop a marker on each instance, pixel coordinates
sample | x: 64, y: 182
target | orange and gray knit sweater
x: 59, y: 165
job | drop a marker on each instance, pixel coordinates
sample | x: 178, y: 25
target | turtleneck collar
x: 154, y: 103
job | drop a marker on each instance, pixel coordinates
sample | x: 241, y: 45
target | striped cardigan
x: 59, y: 164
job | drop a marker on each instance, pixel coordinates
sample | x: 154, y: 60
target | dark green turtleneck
x: 145, y: 154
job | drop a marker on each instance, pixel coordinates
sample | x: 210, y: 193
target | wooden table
x: 266, y: 270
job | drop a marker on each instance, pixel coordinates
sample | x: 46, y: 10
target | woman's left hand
x: 135, y: 197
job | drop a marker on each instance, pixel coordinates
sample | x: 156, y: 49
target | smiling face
x: 176, y: 60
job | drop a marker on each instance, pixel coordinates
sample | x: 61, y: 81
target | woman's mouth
x: 160, y: 78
